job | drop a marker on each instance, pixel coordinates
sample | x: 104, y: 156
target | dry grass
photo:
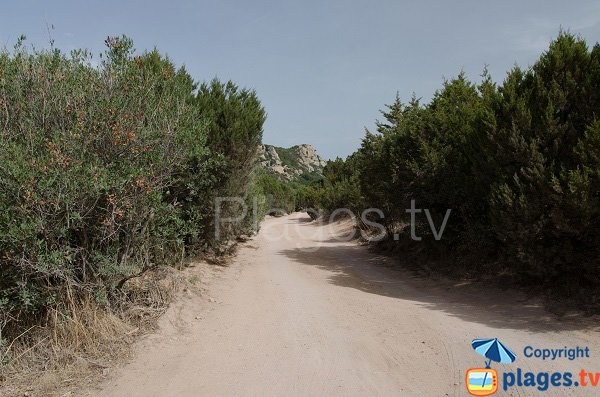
x: 83, y: 339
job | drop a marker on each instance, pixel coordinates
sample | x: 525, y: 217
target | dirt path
x: 301, y: 314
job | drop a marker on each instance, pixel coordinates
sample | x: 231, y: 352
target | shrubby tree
x: 107, y: 172
x: 517, y: 163
x: 234, y: 118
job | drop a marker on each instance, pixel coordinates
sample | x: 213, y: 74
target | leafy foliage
x: 518, y: 164
x: 106, y: 172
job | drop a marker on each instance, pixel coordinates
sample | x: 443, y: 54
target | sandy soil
x: 300, y: 313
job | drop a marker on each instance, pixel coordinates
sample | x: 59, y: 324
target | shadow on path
x: 353, y: 266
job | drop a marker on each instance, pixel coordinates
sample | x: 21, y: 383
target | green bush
x: 108, y: 171
x: 545, y: 202
x: 518, y: 164
x: 277, y: 194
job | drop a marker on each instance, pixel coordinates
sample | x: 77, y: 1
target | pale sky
x: 322, y: 69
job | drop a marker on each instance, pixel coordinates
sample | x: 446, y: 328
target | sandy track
x: 301, y: 314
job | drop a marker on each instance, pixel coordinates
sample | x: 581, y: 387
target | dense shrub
x: 108, y: 171
x: 278, y: 196
x: 545, y: 200
x: 518, y: 164
x: 222, y: 164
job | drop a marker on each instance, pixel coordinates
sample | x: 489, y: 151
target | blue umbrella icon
x: 493, y: 350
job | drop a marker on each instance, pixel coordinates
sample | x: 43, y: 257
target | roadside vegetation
x: 517, y: 163
x: 110, y: 167
x: 108, y: 174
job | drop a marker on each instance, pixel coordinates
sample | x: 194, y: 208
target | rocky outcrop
x: 309, y: 159
x: 291, y: 163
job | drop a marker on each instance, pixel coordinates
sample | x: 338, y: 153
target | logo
x: 484, y: 381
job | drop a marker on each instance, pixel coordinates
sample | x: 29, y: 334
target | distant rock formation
x: 297, y: 162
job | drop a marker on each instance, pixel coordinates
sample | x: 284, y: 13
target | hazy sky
x: 322, y: 68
